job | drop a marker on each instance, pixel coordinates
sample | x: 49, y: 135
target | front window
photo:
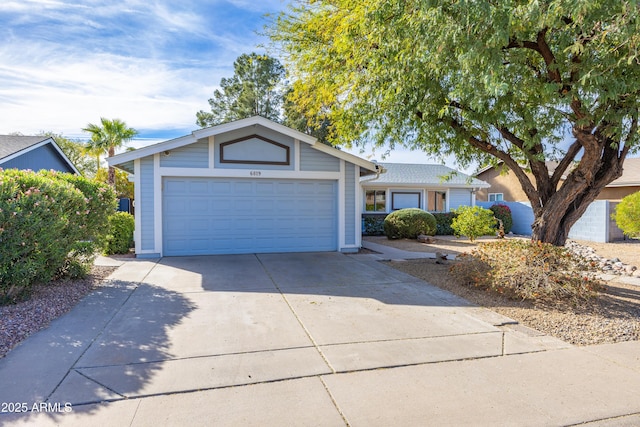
x: 436, y: 201
x: 495, y: 197
x: 403, y: 200
x: 376, y: 201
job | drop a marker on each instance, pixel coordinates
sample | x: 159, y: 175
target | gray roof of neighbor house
x: 630, y: 174
x: 404, y: 174
x: 12, y: 144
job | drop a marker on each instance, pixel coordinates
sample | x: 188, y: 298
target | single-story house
x: 506, y: 187
x: 33, y: 152
x: 434, y: 188
x: 248, y: 186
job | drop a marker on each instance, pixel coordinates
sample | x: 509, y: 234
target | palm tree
x: 106, y: 138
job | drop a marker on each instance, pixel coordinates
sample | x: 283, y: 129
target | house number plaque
x: 255, y: 173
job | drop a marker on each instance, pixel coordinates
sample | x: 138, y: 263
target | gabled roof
x: 422, y: 175
x: 12, y: 146
x: 172, y: 144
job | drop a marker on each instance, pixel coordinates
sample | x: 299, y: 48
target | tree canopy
x: 106, y: 137
x: 516, y: 82
x: 256, y: 89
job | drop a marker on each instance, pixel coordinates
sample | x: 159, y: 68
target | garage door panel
x: 217, y: 216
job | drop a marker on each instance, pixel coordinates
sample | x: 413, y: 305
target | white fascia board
x: 375, y: 184
x: 251, y: 121
x: 205, y: 133
x: 150, y: 150
x: 370, y: 166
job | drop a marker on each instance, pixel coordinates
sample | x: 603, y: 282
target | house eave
x: 47, y: 140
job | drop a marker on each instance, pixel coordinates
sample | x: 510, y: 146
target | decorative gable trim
x: 279, y: 154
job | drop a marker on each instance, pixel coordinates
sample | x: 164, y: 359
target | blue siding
x: 145, y: 207
x: 350, y: 204
x: 45, y: 157
x: 191, y: 156
x: 314, y: 160
x: 246, y: 132
x: 459, y: 197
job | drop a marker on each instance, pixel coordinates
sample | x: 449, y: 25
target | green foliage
x: 50, y: 225
x: 409, y: 223
x: 473, y: 222
x: 483, y: 81
x: 124, y: 188
x: 443, y: 223
x: 120, y: 238
x: 256, y: 89
x: 627, y: 215
x: 503, y: 213
x: 527, y: 270
x: 373, y: 225
x: 105, y: 138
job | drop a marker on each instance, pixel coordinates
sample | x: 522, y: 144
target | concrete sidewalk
x: 303, y: 339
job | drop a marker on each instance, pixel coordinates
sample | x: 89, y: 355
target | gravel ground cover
x: 47, y: 302
x: 613, y: 316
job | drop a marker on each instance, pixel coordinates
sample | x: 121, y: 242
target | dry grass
x: 613, y: 316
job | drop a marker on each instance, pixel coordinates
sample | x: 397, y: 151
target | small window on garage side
x: 405, y: 200
x: 376, y: 201
x: 496, y: 197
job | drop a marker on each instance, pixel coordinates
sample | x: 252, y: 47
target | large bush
x: 48, y: 228
x: 527, y: 270
x: 409, y: 223
x: 473, y: 222
x: 503, y: 213
x: 443, y: 223
x: 627, y: 215
x: 373, y: 225
x: 120, y: 237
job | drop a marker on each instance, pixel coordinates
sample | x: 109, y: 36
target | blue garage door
x: 203, y: 216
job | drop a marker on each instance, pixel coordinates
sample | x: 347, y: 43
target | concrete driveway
x: 305, y: 339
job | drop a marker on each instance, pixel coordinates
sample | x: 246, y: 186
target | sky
x: 152, y: 63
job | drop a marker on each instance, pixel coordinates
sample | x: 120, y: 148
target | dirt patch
x: 613, y: 316
x: 46, y: 303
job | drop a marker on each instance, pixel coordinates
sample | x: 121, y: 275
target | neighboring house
x: 249, y: 186
x: 33, y: 152
x: 434, y: 188
x: 506, y: 187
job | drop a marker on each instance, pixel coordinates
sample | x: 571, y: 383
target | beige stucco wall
x: 506, y: 184
x: 509, y: 186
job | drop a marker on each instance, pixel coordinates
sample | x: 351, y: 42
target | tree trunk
x: 111, y: 176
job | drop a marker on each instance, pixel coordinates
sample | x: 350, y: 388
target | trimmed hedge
x: 120, y: 237
x: 51, y: 225
x: 443, y: 223
x: 409, y: 223
x: 473, y: 222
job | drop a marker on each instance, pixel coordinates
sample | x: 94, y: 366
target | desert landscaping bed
x: 47, y: 302
x: 613, y: 316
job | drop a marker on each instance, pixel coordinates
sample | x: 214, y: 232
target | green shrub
x: 443, y: 223
x: 503, y: 213
x: 627, y: 215
x: 120, y: 237
x: 409, y: 223
x: 527, y: 270
x: 373, y: 225
x: 473, y: 222
x: 44, y: 224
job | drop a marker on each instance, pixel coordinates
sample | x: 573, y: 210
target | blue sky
x: 151, y: 63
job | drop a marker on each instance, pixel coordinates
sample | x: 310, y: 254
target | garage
x: 235, y: 216
x: 248, y: 186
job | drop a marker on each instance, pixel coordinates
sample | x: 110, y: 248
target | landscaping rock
x: 611, y: 266
x: 423, y: 238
